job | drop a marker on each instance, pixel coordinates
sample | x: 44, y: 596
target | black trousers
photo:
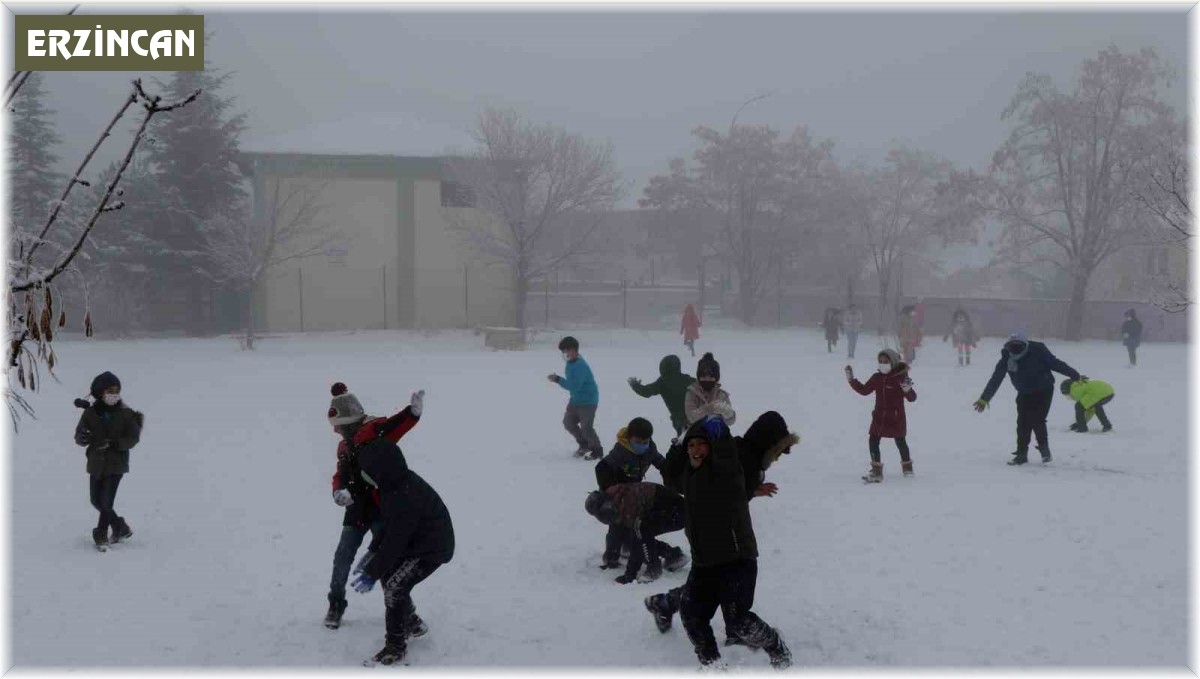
x: 1032, y: 409
x: 1132, y: 354
x: 646, y: 546
x: 1081, y: 414
x: 729, y: 586
x: 873, y: 446
x: 397, y: 597
x: 103, y: 490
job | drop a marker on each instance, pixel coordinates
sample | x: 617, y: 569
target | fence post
x: 624, y: 304
x: 547, y: 286
x: 300, y: 287
x: 384, y: 271
x: 466, y: 296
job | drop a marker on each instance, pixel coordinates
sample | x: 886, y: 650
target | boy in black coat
x: 108, y: 428
x: 724, y: 549
x: 417, y: 538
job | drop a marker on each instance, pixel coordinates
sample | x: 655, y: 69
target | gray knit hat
x: 344, y: 408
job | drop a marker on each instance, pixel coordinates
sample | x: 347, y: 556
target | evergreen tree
x: 33, y: 180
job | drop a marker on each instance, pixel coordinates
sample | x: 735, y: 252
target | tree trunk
x: 749, y: 300
x: 250, y: 318
x: 1074, y: 329
x: 884, y: 286
x: 522, y: 289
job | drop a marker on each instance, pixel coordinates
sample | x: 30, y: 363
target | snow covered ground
x: 971, y: 562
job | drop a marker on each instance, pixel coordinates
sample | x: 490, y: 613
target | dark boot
x: 661, y: 610
x: 780, y: 654
x: 121, y: 530
x: 333, y: 617
x: 390, y: 655
x: 676, y: 558
x: 1019, y: 457
x: 100, y: 537
x: 1046, y: 456
x: 416, y: 627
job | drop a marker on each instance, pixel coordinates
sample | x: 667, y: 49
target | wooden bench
x: 504, y: 339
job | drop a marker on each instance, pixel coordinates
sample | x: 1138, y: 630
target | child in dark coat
x: 672, y: 385
x: 1131, y: 335
x: 361, y: 502
x: 645, y: 511
x: 892, y: 387
x: 630, y: 458
x: 109, y: 429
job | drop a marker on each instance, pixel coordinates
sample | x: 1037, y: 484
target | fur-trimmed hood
x: 768, y: 438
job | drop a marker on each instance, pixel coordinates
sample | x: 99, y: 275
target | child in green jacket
x: 1090, y: 397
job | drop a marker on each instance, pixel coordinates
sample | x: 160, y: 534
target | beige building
x: 398, y: 261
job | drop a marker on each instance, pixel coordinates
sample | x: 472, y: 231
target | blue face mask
x: 640, y: 448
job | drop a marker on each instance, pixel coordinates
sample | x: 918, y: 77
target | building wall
x: 347, y: 290
x: 456, y: 288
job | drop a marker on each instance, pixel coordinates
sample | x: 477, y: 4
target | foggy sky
x: 640, y: 79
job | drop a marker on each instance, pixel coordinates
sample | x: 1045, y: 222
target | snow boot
x: 661, y: 610
x: 1047, y: 458
x: 732, y: 640
x: 651, y: 572
x: 676, y: 559
x: 100, y: 537
x: 416, y: 627
x: 780, y: 654
x: 580, y: 451
x: 391, y: 654
x: 1107, y: 428
x: 121, y: 531
x: 333, y: 617
x: 875, y: 475
x: 593, y: 455
x: 906, y: 467
x: 1020, y: 457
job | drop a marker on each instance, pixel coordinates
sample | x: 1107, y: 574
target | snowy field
x: 969, y: 563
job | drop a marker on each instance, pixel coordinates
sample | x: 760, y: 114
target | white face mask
x: 885, y: 368
x: 566, y: 356
x: 112, y: 399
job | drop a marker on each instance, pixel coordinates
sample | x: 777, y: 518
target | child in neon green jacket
x: 1090, y: 397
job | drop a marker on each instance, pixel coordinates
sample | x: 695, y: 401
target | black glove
x: 85, y: 437
x: 625, y: 579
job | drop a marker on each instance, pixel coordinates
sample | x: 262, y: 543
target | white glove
x: 341, y: 497
x: 906, y: 386
x: 417, y: 403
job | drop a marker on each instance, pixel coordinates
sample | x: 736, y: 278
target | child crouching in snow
x: 647, y: 510
x: 1090, y: 397
x: 109, y: 429
x: 892, y: 387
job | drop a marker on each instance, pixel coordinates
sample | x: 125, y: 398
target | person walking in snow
x: 580, y: 417
x: 1090, y: 397
x: 361, y: 502
x: 909, y: 333
x: 833, y: 327
x: 109, y: 429
x: 767, y: 439
x: 705, y: 398
x: 672, y: 385
x: 963, y: 333
x: 1029, y: 366
x: 644, y: 511
x: 724, y: 568
x: 1131, y: 335
x: 852, y: 323
x: 892, y: 386
x: 417, y: 539
x: 689, y: 327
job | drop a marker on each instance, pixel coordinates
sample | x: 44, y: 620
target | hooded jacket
x: 761, y: 446
x: 416, y: 523
x: 1033, y: 371
x: 1131, y: 332
x: 888, y: 419
x: 717, y: 512
x: 622, y: 465
x: 689, y: 327
x: 1088, y: 394
x: 672, y: 385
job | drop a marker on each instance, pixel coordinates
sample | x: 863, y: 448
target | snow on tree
x: 242, y: 247
x: 1064, y: 176
x: 1162, y: 189
x: 540, y: 193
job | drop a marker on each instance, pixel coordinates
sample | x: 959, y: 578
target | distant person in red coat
x: 690, y: 328
x: 892, y: 387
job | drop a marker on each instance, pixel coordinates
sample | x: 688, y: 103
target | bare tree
x: 760, y: 192
x: 243, y: 246
x: 899, y: 209
x: 1162, y: 190
x: 533, y: 183
x: 1063, y: 178
x: 32, y: 290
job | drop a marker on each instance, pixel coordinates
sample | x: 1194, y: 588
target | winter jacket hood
x: 669, y: 367
x: 102, y: 383
x: 767, y: 439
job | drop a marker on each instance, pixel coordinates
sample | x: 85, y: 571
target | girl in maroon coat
x: 690, y: 328
x: 892, y: 387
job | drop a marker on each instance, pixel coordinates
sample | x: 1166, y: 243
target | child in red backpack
x: 350, y: 491
x: 892, y: 387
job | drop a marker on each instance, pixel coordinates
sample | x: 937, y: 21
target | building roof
x: 362, y: 134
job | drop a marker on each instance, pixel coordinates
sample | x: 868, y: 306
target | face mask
x: 112, y: 399
x: 885, y: 368
x: 706, y: 385
x: 566, y: 356
x: 1015, y: 347
x: 640, y: 448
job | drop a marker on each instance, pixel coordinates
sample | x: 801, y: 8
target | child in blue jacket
x: 580, y: 418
